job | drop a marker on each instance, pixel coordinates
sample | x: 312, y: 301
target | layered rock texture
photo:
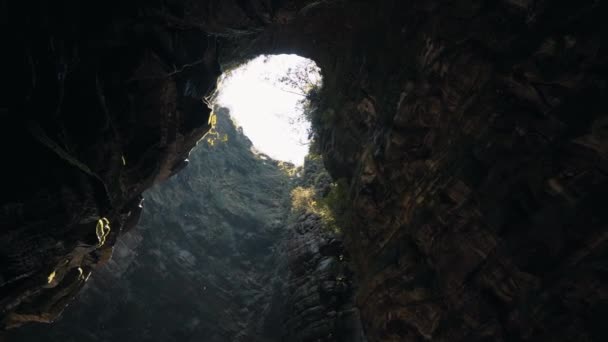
x: 318, y: 285
x: 471, y: 135
x: 476, y: 158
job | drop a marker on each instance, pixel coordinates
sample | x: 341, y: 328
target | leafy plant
x: 102, y: 230
x: 213, y: 136
x: 304, y: 80
x: 332, y: 208
x: 303, y: 200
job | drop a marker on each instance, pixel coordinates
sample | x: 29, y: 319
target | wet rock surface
x: 471, y: 135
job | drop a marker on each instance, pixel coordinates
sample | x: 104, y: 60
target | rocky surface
x: 476, y: 159
x: 201, y: 262
x: 104, y: 101
x: 319, y: 285
x: 214, y: 261
x: 471, y: 135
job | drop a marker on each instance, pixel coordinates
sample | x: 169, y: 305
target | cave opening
x: 271, y: 98
x: 220, y: 242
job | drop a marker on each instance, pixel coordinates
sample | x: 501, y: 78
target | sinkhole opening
x: 271, y: 98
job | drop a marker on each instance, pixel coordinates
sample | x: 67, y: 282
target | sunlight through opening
x: 267, y: 98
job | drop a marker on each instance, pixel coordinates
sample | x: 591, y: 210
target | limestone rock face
x: 319, y: 289
x: 471, y: 136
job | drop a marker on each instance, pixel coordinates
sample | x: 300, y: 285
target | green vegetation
x: 289, y: 169
x: 213, y: 136
x: 330, y: 209
x: 315, y: 192
x: 304, y: 80
x: 318, y: 195
x: 235, y: 187
x: 312, y: 189
x: 337, y: 203
x: 51, y: 277
x: 303, y: 199
x: 102, y: 230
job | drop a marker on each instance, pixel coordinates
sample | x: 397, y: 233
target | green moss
x: 316, y: 193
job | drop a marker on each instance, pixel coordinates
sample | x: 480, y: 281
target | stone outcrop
x: 320, y: 285
x: 215, y: 262
x: 103, y: 103
x: 472, y: 141
x: 199, y: 265
x: 471, y: 135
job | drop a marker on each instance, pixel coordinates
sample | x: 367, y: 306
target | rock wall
x: 319, y: 285
x: 199, y: 265
x: 472, y: 136
x: 105, y: 100
x: 220, y: 255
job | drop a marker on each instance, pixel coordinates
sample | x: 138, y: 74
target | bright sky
x: 266, y: 109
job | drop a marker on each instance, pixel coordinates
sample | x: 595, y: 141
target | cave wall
x: 202, y: 265
x: 105, y: 100
x: 319, y: 285
x: 220, y: 255
x: 473, y: 138
x: 472, y: 135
